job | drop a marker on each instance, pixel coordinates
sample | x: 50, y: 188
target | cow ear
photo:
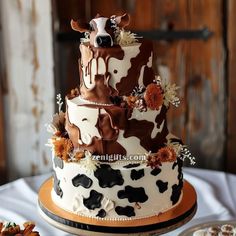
x: 80, y: 26
x: 123, y: 21
x: 97, y: 16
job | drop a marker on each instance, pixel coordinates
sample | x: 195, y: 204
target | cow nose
x: 104, y: 41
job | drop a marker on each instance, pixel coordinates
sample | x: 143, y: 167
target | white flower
x: 125, y: 38
x: 170, y: 94
x: 59, y: 102
x: 89, y: 163
x: 181, y: 151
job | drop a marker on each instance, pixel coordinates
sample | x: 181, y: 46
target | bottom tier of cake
x: 116, y: 191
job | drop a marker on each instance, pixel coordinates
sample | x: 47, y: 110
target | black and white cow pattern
x: 107, y: 176
x: 128, y: 185
x: 136, y: 174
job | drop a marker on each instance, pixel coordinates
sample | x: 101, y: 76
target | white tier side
x: 159, y: 199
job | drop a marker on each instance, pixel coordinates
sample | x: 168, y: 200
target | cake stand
x: 85, y: 226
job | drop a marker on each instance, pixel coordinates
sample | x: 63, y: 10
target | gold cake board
x: 85, y: 226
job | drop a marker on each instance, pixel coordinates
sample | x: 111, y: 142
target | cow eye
x: 109, y: 24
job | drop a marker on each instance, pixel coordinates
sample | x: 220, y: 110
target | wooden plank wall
x: 29, y: 103
x: 197, y: 66
x: 231, y: 129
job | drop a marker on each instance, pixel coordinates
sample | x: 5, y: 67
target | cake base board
x: 83, y: 226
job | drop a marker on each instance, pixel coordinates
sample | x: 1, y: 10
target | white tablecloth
x: 216, y: 200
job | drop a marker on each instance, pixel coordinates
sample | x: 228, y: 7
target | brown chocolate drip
x: 105, y: 88
x: 101, y: 92
x: 148, y: 76
x: 129, y: 82
x: 73, y: 131
x: 105, y: 128
x: 118, y: 116
x: 142, y: 129
x: 107, y: 53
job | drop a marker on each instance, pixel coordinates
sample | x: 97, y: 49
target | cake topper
x: 102, y: 29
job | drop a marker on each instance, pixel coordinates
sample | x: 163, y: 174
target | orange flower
x: 166, y: 154
x: 153, y: 96
x: 153, y: 161
x: 62, y: 147
x: 79, y: 155
x: 131, y: 100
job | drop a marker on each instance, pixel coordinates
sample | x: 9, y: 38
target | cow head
x: 101, y: 28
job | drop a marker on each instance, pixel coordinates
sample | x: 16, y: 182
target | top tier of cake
x: 120, y: 106
x: 114, y: 71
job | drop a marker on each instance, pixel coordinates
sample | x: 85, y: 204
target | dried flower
x: 89, y: 163
x: 62, y: 147
x: 59, y: 102
x: 125, y: 38
x: 153, y: 96
x: 153, y: 161
x: 57, y: 125
x: 131, y: 100
x: 186, y: 154
x: 170, y: 95
x: 79, y: 155
x: 138, y: 91
x: 141, y: 105
x: 166, y: 154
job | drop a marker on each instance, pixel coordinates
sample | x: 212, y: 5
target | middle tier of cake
x: 110, y: 129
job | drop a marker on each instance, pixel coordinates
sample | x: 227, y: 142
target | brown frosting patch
x: 73, y: 131
x: 106, y: 145
x: 86, y: 54
x: 148, y: 76
x: 128, y: 83
x: 101, y: 91
x: 105, y: 128
x: 142, y: 129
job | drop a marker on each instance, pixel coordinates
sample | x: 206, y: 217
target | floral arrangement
x: 125, y: 38
x: 165, y: 154
x: 153, y: 96
x: 169, y: 153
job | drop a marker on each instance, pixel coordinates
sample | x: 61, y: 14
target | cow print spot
x: 56, y: 185
x: 156, y: 171
x: 126, y: 211
x: 176, y: 192
x: 94, y: 200
x: 131, y: 165
x: 133, y: 194
x: 174, y: 165
x: 137, y: 174
x: 108, y: 177
x: 58, y: 162
x: 82, y: 180
x: 162, y: 186
x: 102, y: 213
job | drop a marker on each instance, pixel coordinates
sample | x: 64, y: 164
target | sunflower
x: 166, y: 154
x: 62, y: 147
x: 153, y: 96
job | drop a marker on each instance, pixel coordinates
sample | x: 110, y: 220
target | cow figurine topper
x: 102, y: 29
